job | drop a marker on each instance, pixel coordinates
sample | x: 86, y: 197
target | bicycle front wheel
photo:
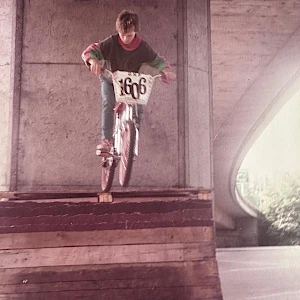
x: 128, y: 136
x: 108, y: 172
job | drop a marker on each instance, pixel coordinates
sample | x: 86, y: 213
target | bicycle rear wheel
x: 128, y: 135
x: 108, y: 172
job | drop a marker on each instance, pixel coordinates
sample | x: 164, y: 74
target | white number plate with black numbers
x: 132, y: 87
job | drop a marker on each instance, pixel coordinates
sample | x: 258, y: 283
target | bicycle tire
x: 128, y: 136
x: 107, y: 173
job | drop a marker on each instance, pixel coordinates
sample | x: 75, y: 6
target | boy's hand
x: 168, y: 76
x: 96, y: 66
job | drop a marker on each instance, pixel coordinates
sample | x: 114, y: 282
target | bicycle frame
x: 131, y: 90
x: 127, y: 115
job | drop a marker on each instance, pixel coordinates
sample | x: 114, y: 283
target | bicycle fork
x: 124, y: 114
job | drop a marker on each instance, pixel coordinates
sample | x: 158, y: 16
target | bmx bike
x: 131, y: 89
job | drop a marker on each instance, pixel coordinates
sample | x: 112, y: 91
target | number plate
x: 132, y: 87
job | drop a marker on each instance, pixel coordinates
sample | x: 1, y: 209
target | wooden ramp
x: 154, y: 244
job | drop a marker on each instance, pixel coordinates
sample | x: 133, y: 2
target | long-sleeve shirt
x: 118, y: 56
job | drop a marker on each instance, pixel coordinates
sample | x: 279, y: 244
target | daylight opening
x: 269, y: 177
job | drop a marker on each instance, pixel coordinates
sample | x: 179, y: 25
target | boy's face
x: 128, y: 36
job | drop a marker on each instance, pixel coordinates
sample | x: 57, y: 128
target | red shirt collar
x: 133, y: 45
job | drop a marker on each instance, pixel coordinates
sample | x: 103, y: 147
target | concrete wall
x: 6, y: 16
x: 60, y: 110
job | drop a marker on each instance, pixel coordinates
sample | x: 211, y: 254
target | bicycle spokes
x: 127, y: 153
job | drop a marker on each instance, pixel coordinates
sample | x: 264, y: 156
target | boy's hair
x: 127, y: 20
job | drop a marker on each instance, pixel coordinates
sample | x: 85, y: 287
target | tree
x: 281, y: 210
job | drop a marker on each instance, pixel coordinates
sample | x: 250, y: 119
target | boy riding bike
x: 125, y: 51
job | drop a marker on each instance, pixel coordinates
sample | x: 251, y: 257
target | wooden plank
x: 159, y: 192
x: 37, y: 217
x: 109, y: 277
x: 106, y: 255
x: 105, y: 197
x: 116, y: 193
x: 34, y: 209
x: 138, y: 199
x: 174, y: 293
x: 193, y: 272
x: 170, y: 282
x: 108, y: 198
x: 47, y: 195
x: 204, y: 196
x: 113, y: 218
x: 64, y: 200
x: 40, y: 227
x: 31, y: 240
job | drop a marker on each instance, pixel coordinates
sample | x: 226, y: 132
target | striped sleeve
x: 158, y: 63
x: 92, y: 51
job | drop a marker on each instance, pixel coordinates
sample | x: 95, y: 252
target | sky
x: 277, y: 149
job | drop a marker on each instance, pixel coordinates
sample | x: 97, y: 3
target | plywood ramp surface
x: 136, y: 247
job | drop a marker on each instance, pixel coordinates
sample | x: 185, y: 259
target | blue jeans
x: 108, y: 105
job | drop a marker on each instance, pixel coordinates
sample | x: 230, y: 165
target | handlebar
x: 110, y: 74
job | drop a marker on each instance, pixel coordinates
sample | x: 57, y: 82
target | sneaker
x: 104, y: 146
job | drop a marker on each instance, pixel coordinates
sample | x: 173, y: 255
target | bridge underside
x: 256, y: 70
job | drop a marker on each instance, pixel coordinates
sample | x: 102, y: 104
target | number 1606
x: 133, y: 88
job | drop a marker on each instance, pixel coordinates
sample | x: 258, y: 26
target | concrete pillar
x: 10, y: 72
x: 7, y: 27
x: 196, y: 86
x: 53, y: 113
x: 5, y: 96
